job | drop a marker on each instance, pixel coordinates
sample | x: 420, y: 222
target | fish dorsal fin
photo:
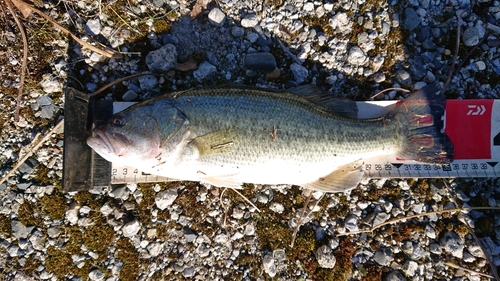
x: 339, y: 106
x: 216, y: 142
x: 342, y: 179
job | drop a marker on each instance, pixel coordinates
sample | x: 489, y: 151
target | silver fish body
x: 230, y: 136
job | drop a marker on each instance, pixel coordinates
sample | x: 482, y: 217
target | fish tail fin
x: 422, y: 119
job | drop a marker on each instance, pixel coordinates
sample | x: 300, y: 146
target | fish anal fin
x: 342, y: 179
x: 216, y: 142
x: 229, y: 181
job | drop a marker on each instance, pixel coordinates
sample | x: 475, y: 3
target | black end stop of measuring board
x: 83, y: 169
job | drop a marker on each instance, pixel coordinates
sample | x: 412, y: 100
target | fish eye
x: 118, y: 121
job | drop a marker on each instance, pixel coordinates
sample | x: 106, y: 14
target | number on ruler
x: 388, y: 167
x: 474, y: 166
x: 125, y: 171
x: 427, y: 167
x: 447, y: 167
x: 484, y: 166
x: 368, y: 166
x: 114, y: 172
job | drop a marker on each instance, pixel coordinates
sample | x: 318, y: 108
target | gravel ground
x: 192, y: 231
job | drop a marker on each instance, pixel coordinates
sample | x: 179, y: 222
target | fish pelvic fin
x: 229, y: 181
x: 422, y: 120
x: 342, y: 179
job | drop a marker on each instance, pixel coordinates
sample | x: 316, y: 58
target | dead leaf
x: 191, y: 64
x: 23, y: 7
x: 197, y: 8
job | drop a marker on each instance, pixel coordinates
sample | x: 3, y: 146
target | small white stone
x: 430, y: 232
x: 238, y: 235
x: 93, y: 27
x: 221, y: 238
x: 356, y: 56
x: 269, y: 265
x: 480, y: 65
x: 308, y: 7
x: 351, y: 223
x: 165, y: 198
x: 276, y: 207
x: 410, y: 267
x: 154, y: 249
x: 249, y: 229
x: 96, y: 274
x: 324, y: 256
x: 250, y: 21
x: 216, y: 17
x: 131, y: 228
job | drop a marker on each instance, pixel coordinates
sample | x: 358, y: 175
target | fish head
x: 130, y: 135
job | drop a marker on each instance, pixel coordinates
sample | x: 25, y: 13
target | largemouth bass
x: 230, y: 136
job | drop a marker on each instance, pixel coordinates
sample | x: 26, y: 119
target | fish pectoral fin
x: 216, y: 142
x: 342, y: 179
x: 229, y: 181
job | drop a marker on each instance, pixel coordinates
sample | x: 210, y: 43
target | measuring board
x: 473, y: 126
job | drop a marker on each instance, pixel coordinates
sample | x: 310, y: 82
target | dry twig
x: 303, y: 215
x: 27, y: 9
x: 119, y: 81
x: 450, y: 73
x: 390, y: 89
x: 371, y: 229
x: 450, y: 264
x: 492, y: 266
x: 32, y: 150
x: 25, y: 60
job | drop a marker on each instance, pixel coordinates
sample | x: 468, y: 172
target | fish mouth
x: 110, y: 144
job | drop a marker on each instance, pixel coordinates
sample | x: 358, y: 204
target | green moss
x: 162, y: 25
x: 28, y: 215
x: 194, y: 209
x: 462, y: 230
x: 76, y: 240
x: 148, y: 200
x: 372, y: 272
x: 53, y: 206
x: 30, y: 265
x: 274, y: 3
x: 343, y: 254
x: 373, y: 194
x: 321, y: 22
x: 304, y: 245
x: 401, y: 231
x: 85, y: 198
x: 98, y: 237
x: 5, y: 226
x: 126, y: 252
x: 341, y: 209
x: 58, y: 262
x: 41, y: 177
x: 273, y: 235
